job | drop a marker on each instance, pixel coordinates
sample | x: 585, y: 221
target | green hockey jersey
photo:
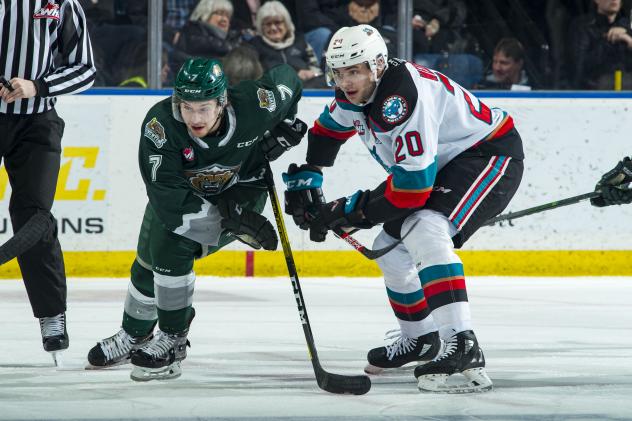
x: 183, y: 174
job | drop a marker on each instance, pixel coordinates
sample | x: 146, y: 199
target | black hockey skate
x: 160, y: 358
x: 115, y: 350
x: 403, y: 351
x: 54, y: 336
x: 461, y: 354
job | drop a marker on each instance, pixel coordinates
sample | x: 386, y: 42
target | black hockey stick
x: 34, y: 229
x: 366, y: 252
x: 6, y: 83
x: 509, y: 216
x: 333, y: 383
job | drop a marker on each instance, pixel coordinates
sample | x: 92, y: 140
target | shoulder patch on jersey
x: 395, y: 100
x: 266, y: 99
x: 394, y: 109
x: 155, y: 132
x: 50, y: 11
x: 284, y: 91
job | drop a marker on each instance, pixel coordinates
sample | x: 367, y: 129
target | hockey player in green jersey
x: 202, y: 157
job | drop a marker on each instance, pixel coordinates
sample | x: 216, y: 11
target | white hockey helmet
x: 354, y: 45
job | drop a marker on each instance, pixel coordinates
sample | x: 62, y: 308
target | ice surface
x: 556, y: 348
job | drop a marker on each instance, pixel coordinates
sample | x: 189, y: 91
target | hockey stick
x: 368, y: 253
x: 6, y: 83
x: 34, y: 229
x: 374, y: 254
x: 333, y: 383
x: 509, y: 216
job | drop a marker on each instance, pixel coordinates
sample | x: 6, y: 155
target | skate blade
x: 374, y: 370
x: 144, y: 374
x: 89, y: 366
x: 57, y: 358
x: 478, y: 381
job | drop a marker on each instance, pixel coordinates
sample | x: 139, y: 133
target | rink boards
x: 570, y: 140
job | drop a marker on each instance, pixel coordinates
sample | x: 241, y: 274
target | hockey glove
x: 304, y: 195
x: 247, y: 226
x: 282, y: 137
x: 614, y: 185
x: 346, y: 212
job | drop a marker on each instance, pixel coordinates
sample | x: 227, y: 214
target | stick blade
x: 340, y: 384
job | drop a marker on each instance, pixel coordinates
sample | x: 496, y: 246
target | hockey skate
x: 54, y: 336
x: 403, y: 351
x: 160, y: 358
x: 461, y: 354
x: 115, y: 350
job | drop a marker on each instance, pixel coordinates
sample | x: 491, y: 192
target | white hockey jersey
x: 417, y: 121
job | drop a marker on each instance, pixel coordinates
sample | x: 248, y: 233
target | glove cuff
x: 304, y: 177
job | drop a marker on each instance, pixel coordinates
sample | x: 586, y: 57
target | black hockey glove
x: 282, y: 137
x: 247, y: 226
x: 304, y: 195
x: 346, y: 212
x: 614, y: 185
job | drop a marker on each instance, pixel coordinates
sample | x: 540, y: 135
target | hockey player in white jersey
x: 451, y: 162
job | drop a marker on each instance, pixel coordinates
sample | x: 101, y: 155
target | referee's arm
x: 76, y: 72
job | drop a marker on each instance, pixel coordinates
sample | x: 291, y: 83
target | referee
x: 45, y: 52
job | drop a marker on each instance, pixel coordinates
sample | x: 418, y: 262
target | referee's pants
x: 31, y: 147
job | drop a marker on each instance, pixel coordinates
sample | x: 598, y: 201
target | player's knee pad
x: 396, y: 265
x: 430, y: 242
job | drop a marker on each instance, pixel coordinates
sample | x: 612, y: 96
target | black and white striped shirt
x: 45, y: 41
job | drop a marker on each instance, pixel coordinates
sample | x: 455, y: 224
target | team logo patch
x: 394, y: 109
x: 155, y: 132
x: 359, y: 127
x: 368, y: 31
x: 50, y: 11
x: 188, y: 154
x: 266, y: 99
x: 212, y: 179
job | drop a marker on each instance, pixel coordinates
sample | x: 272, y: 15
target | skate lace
x: 400, y: 346
x: 449, y: 348
x: 52, y: 326
x: 161, y: 344
x: 118, y: 345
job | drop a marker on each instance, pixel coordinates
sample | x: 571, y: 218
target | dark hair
x: 510, y: 47
x: 365, y: 3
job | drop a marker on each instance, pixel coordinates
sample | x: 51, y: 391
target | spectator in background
x: 439, y: 41
x: 507, y: 67
x: 277, y: 42
x: 178, y: 12
x: 207, y: 33
x: 133, y: 74
x: 242, y: 64
x: 602, y: 44
x: 244, y: 16
x: 368, y: 12
x: 176, y: 16
x: 316, y: 19
x: 435, y: 24
x: 113, y: 25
